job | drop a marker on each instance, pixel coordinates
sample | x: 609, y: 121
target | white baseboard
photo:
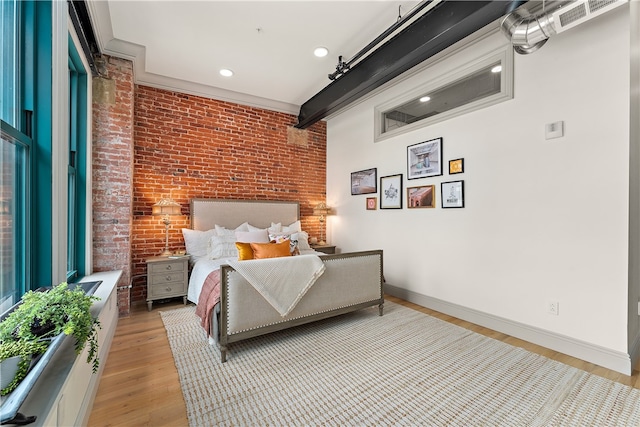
x: 610, y: 359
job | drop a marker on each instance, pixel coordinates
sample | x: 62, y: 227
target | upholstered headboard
x: 206, y: 213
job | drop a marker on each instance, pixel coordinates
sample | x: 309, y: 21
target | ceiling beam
x: 442, y: 26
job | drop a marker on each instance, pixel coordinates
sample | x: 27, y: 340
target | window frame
x: 504, y: 55
x: 46, y: 43
x: 20, y: 214
x: 79, y: 118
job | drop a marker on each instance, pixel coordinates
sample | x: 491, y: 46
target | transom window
x: 479, y: 84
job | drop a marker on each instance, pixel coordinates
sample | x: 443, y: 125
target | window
x: 44, y: 130
x: 479, y: 84
x: 76, y: 168
x: 9, y: 60
x: 14, y: 158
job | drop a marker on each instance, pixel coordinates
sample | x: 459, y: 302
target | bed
x: 233, y: 309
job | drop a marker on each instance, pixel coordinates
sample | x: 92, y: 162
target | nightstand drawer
x: 166, y: 278
x: 168, y: 290
x: 165, y: 267
x: 177, y: 276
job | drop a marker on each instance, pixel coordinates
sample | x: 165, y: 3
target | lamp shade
x: 322, y: 210
x: 166, y: 207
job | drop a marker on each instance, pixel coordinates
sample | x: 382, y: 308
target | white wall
x: 543, y: 219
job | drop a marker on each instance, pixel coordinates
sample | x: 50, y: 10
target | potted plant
x: 15, y: 359
x: 41, y: 316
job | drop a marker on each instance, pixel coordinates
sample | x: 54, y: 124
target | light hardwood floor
x: 140, y: 385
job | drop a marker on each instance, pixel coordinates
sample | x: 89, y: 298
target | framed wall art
x: 456, y: 166
x: 421, y: 197
x: 391, y: 192
x: 364, y: 182
x: 372, y: 203
x: 452, y: 194
x: 424, y: 159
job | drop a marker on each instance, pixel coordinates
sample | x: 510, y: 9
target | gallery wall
x: 545, y: 221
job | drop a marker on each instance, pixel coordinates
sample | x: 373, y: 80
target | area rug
x: 405, y: 368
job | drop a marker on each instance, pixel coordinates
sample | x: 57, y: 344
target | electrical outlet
x: 553, y: 307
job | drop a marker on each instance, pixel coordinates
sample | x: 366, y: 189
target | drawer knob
x: 168, y: 289
x: 168, y: 278
x: 168, y: 267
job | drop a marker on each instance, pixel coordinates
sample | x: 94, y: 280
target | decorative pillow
x: 223, y: 246
x: 292, y: 227
x: 221, y: 231
x: 303, y: 240
x: 244, y: 251
x: 286, y: 237
x: 270, y: 250
x: 275, y: 228
x: 260, y: 236
x: 197, y: 242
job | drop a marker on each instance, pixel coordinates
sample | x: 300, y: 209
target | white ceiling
x: 181, y: 45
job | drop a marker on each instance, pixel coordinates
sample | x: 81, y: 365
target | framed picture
x: 456, y: 166
x: 421, y: 197
x: 452, y: 194
x: 372, y: 203
x: 391, y: 192
x: 364, y: 182
x: 424, y: 159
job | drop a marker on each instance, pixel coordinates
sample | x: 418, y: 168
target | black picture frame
x: 364, y: 182
x: 424, y: 159
x: 391, y: 192
x: 452, y: 194
x: 456, y: 166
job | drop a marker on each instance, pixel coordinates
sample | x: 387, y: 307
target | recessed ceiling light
x: 226, y: 72
x: 496, y: 69
x: 321, y: 52
x: 425, y: 99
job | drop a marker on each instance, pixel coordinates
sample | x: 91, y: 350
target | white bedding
x: 203, y: 267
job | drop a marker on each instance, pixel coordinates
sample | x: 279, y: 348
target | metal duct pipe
x: 529, y: 32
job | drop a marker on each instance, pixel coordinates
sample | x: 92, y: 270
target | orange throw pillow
x: 270, y: 250
x: 244, y: 251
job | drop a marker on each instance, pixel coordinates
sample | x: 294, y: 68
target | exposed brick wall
x: 188, y: 146
x: 113, y: 98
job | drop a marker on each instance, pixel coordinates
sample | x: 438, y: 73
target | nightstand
x: 327, y: 249
x: 167, y: 278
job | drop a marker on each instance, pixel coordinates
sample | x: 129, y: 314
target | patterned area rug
x: 405, y: 368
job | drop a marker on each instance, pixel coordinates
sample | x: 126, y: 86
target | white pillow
x: 303, y: 240
x: 258, y: 236
x: 197, y: 242
x: 275, y: 228
x: 292, y: 227
x: 223, y: 246
x: 221, y: 231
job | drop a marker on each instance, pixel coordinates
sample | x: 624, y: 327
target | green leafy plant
x: 25, y: 350
x: 43, y: 315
